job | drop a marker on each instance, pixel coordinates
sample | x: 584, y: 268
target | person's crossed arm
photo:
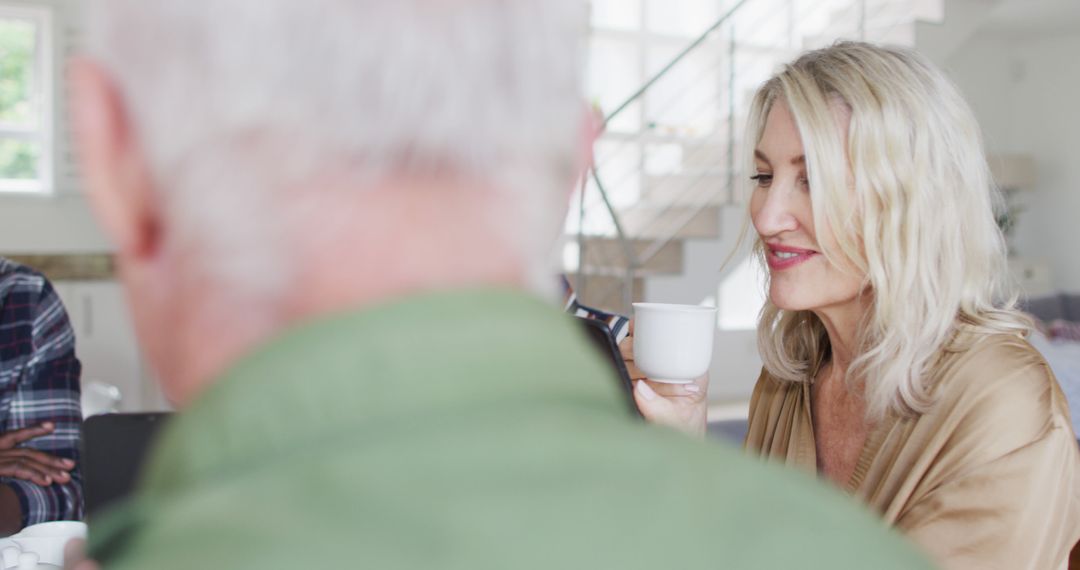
x: 40, y: 415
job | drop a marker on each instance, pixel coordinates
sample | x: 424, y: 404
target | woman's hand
x: 681, y: 406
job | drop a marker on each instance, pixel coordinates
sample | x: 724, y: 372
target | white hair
x: 239, y: 101
x: 912, y: 211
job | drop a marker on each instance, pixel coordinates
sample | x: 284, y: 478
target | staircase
x: 664, y: 205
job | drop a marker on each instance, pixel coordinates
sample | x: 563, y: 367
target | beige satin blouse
x: 989, y: 478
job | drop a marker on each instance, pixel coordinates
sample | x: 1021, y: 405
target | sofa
x: 1059, y: 306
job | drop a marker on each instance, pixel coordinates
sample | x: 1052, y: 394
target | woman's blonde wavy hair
x: 912, y: 209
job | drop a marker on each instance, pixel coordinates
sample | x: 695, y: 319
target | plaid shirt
x: 617, y: 323
x: 39, y: 382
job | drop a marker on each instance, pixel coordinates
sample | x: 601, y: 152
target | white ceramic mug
x: 44, y: 541
x: 673, y: 343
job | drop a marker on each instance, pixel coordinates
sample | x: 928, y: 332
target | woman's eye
x: 804, y: 183
x: 762, y: 180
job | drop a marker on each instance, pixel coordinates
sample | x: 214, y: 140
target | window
x: 25, y: 100
x: 631, y: 41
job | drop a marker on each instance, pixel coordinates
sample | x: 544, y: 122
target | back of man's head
x: 238, y: 102
x: 244, y: 137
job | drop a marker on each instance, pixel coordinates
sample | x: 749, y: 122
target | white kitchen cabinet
x: 105, y: 343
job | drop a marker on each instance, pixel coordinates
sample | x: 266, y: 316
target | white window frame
x: 647, y: 40
x: 42, y: 93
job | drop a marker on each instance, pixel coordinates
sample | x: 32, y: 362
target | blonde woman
x: 891, y: 367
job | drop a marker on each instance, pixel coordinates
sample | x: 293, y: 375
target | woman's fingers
x: 633, y: 371
x: 689, y: 390
x: 647, y: 398
x: 681, y: 406
x: 626, y: 348
x: 656, y: 408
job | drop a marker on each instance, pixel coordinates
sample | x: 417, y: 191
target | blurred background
x: 664, y: 208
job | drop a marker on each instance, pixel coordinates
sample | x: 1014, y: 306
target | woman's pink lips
x: 777, y: 263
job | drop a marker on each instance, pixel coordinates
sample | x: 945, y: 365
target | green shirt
x: 463, y: 430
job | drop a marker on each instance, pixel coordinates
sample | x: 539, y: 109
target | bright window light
x: 25, y: 99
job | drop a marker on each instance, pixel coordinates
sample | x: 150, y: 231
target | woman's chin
x: 788, y: 302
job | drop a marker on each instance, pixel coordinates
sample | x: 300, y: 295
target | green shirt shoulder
x: 468, y: 430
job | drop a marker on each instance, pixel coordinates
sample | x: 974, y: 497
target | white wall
x: 105, y: 343
x: 49, y: 224
x: 1025, y: 92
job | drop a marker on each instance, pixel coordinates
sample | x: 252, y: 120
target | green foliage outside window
x: 18, y: 159
x: 16, y: 67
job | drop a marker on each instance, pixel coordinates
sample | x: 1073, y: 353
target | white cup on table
x: 43, y: 544
x: 673, y: 343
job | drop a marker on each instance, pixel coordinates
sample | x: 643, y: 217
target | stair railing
x: 635, y: 257
x: 632, y: 260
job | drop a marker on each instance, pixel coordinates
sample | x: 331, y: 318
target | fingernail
x: 69, y: 463
x: 47, y: 425
x: 692, y: 388
x: 645, y: 390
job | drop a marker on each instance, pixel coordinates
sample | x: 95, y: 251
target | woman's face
x: 802, y: 279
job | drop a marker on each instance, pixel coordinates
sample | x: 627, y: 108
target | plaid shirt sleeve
x: 39, y: 382
x: 617, y: 323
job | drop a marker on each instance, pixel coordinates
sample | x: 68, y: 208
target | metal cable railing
x: 687, y: 191
x: 627, y: 248
x: 863, y: 18
x: 671, y: 102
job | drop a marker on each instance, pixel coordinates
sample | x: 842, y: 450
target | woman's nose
x: 776, y: 212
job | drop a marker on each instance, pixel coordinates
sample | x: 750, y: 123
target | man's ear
x: 592, y: 125
x: 115, y: 170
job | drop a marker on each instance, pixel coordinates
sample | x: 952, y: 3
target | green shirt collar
x: 396, y: 364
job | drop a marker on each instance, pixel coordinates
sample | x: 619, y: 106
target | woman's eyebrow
x: 797, y: 161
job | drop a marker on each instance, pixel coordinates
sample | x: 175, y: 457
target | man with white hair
x: 333, y: 220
